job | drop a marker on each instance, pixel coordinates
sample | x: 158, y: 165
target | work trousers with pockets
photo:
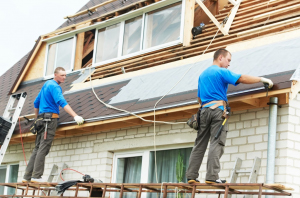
x: 210, y: 122
x: 35, y: 167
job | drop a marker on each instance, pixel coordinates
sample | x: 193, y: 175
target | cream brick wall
x: 247, y: 138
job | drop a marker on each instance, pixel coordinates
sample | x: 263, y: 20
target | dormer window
x: 150, y: 31
x: 60, y: 54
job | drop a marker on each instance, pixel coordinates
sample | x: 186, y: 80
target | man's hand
x: 266, y: 81
x: 79, y: 120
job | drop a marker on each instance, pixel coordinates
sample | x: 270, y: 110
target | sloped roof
x: 129, y: 94
x: 140, y: 93
x: 7, y: 80
x: 100, y: 11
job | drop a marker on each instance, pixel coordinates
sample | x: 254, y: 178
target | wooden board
x: 36, y: 67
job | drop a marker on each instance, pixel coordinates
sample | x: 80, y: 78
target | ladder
x: 14, y: 118
x: 55, y: 172
x: 253, y: 172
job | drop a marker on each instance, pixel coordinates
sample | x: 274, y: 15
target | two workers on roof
x: 212, y: 97
x: 46, y: 109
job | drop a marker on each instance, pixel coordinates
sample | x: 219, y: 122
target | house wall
x: 247, y: 138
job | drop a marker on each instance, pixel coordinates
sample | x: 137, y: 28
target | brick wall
x: 247, y: 138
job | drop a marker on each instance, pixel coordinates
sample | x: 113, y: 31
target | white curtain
x: 166, y: 167
x: 129, y: 171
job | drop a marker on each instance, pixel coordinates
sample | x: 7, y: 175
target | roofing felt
x: 259, y: 61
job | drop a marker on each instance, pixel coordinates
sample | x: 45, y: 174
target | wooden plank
x: 188, y: 22
x: 92, y: 9
x: 254, y: 102
x: 79, y: 51
x: 35, y: 67
x: 232, y: 15
x: 211, y: 17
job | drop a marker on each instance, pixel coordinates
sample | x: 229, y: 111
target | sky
x: 23, y: 21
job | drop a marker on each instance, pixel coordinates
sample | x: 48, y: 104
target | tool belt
x: 37, y: 126
x: 194, y: 121
x: 218, y: 103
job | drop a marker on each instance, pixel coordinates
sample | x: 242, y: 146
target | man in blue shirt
x: 212, y: 95
x: 46, y: 107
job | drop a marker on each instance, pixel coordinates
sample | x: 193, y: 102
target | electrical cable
x: 68, y: 169
x: 154, y: 121
x: 22, y: 141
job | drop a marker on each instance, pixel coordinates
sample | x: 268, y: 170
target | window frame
x: 145, y: 154
x: 74, y: 37
x: 143, y: 29
x: 7, y: 167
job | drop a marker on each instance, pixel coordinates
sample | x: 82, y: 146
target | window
x: 60, y: 54
x: 163, y: 26
x: 129, y: 171
x: 8, y: 174
x: 140, y: 168
x: 140, y: 34
x: 132, y: 35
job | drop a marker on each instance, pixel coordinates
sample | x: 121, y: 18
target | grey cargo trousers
x: 210, y: 122
x: 35, y: 167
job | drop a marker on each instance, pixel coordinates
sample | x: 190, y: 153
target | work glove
x: 266, y: 81
x: 79, y: 120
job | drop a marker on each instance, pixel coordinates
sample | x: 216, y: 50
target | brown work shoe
x: 193, y: 181
x: 25, y: 181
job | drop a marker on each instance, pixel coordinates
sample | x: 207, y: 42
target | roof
x: 140, y: 93
x: 100, y: 11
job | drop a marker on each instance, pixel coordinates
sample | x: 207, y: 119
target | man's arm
x: 246, y: 79
x: 70, y: 111
x: 36, y: 112
x: 199, y: 100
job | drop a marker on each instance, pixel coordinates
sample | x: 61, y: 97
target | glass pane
x: 13, y: 177
x: 167, y: 167
x: 129, y: 171
x: 107, y: 43
x: 51, y: 59
x: 132, y: 35
x: 64, y: 54
x: 2, y: 179
x: 163, y: 26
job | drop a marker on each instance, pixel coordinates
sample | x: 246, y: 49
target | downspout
x: 271, y: 141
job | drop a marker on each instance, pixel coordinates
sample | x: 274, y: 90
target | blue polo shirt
x: 50, y: 98
x: 213, y: 84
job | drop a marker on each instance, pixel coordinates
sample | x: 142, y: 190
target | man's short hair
x: 59, y: 69
x: 222, y: 52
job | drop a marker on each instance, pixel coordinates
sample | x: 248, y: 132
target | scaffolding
x: 44, y: 190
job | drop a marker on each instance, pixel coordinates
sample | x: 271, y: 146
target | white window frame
x: 7, y: 167
x: 144, y: 25
x: 145, y: 154
x: 72, y: 56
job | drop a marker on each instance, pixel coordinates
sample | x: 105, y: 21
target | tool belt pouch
x: 47, y: 117
x: 194, y: 120
x: 37, y: 126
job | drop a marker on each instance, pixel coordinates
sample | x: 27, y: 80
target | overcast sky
x: 23, y: 21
